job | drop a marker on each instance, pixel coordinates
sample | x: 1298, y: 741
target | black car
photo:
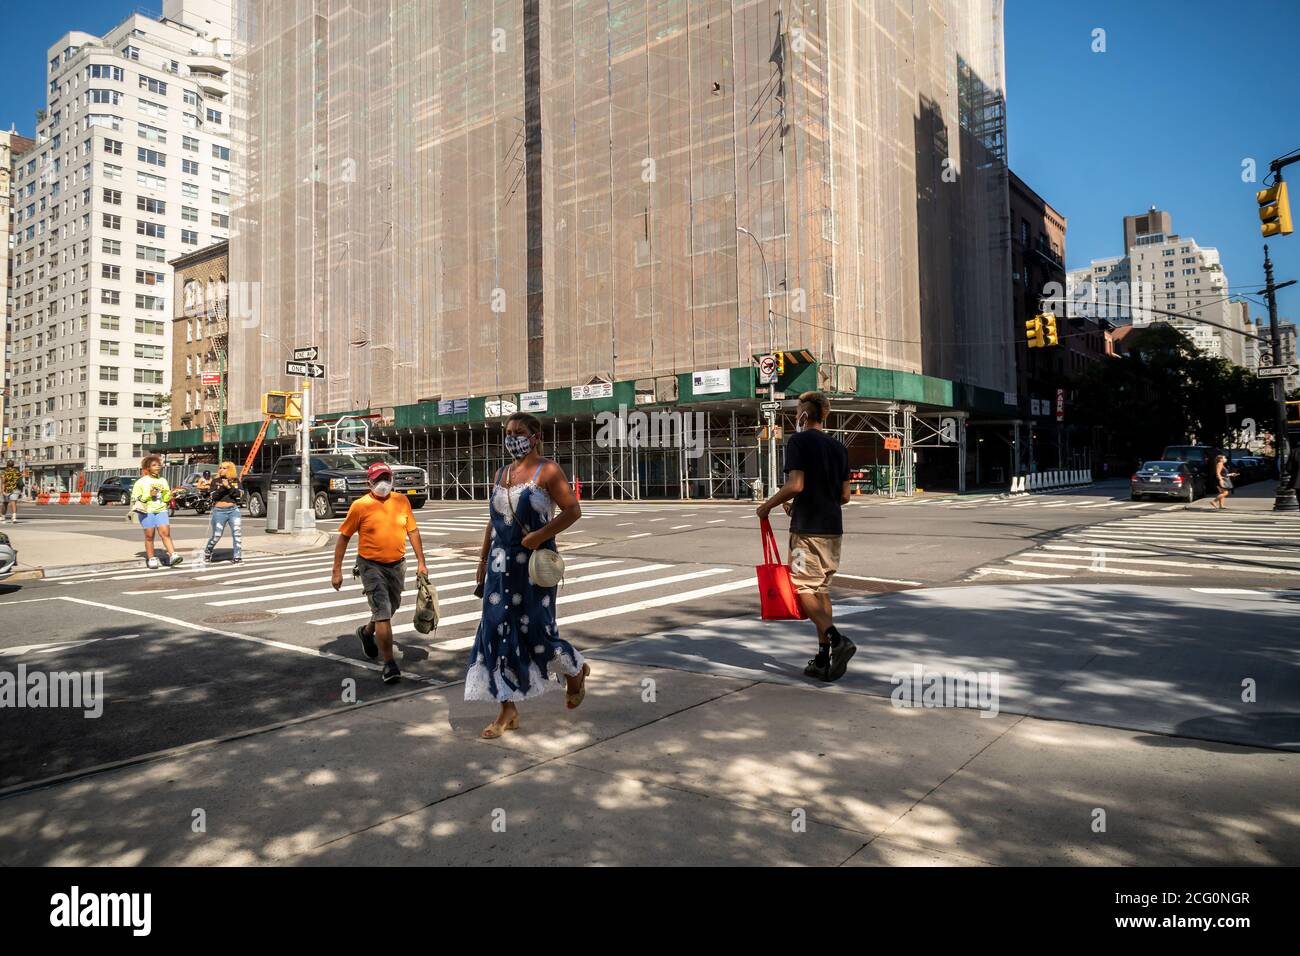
x: 337, y: 480
x: 115, y: 489
x: 1168, y: 479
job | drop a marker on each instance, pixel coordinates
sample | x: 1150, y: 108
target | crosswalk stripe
x: 583, y: 596
x: 1012, y: 572
x: 1087, y: 567
x: 411, y: 592
x: 464, y: 643
x: 237, y: 587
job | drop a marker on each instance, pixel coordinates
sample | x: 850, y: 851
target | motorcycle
x: 186, y: 497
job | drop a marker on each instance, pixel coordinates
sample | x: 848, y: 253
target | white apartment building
x: 1177, y: 275
x: 1100, y: 291
x: 12, y: 146
x: 131, y: 168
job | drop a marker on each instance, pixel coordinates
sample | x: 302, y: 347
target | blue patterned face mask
x: 518, y: 445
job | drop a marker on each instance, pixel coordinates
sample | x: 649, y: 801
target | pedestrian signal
x: 287, y: 405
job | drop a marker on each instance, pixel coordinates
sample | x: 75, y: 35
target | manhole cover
x: 240, y: 617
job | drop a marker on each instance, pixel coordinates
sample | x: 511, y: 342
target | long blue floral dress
x: 517, y: 651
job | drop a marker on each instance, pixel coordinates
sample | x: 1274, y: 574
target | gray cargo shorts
x: 383, y: 584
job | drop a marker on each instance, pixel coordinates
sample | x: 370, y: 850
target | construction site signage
x: 893, y: 443
x: 713, y: 382
x: 594, y: 390
x: 532, y: 401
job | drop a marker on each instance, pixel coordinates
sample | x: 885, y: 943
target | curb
x: 70, y: 570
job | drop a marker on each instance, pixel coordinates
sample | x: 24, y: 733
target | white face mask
x: 382, y: 489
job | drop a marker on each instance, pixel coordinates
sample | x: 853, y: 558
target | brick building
x: 199, y: 331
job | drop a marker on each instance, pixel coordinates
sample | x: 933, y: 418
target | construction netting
x: 488, y: 196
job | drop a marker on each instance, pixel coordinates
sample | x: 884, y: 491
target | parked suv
x: 115, y: 488
x: 337, y: 480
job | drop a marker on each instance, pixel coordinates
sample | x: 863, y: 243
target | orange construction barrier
x: 43, y: 498
x: 63, y: 497
x: 85, y: 497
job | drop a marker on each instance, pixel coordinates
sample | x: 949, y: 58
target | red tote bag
x: 775, y: 589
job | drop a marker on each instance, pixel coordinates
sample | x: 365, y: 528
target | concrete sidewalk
x: 705, y: 746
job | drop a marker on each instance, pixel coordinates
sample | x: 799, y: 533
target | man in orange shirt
x: 385, y: 521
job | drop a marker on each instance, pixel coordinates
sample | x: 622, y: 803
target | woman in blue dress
x: 518, y: 650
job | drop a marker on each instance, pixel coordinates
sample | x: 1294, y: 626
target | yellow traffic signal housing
x: 780, y: 363
x: 1050, y: 320
x: 1274, y: 211
x: 287, y: 405
x: 1034, y: 332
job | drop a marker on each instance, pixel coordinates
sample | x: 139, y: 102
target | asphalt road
x: 209, y: 651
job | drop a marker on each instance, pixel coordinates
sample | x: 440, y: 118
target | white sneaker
x: 152, y: 564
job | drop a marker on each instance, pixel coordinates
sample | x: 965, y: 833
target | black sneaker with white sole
x: 816, y: 669
x: 840, y: 654
x: 392, y: 673
x: 368, y: 645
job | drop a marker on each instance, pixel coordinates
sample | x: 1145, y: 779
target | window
x: 190, y: 120
x: 108, y: 399
x: 113, y: 146
x: 150, y: 181
x: 111, y: 97
x: 153, y: 86
x: 151, y: 108
x: 221, y: 152
x: 107, y: 449
x: 107, y: 120
x: 111, y: 247
x: 110, y: 272
x: 220, y: 220
x: 152, y: 133
x: 151, y: 253
x: 112, y: 222
x: 110, y: 297
x: 191, y: 99
x: 220, y: 198
x: 112, y: 172
x: 153, y: 352
x: 189, y: 167
x: 155, y: 206
x: 145, y: 425
x: 108, y: 348
x: 110, y: 322
x: 149, y: 376
x: 150, y: 156
x: 221, y: 177
x: 189, y: 214
x: 131, y: 52
x: 189, y: 237
x: 190, y: 190
x: 153, y: 229
x: 107, y: 425
x: 102, y: 71
x: 190, y: 143
x: 214, y: 117
x: 150, y: 302
x: 113, y: 197
x: 108, y: 373
x: 149, y: 327
x: 145, y: 277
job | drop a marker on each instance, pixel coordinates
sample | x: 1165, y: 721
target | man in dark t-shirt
x: 817, y: 482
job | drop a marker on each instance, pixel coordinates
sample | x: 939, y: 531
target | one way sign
x: 304, y: 369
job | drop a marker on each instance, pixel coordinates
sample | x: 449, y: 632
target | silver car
x: 1168, y: 479
x: 8, y: 556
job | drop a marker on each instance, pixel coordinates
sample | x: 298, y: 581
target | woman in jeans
x: 518, y: 652
x: 225, y: 496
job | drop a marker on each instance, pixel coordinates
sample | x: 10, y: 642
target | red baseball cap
x: 378, y: 468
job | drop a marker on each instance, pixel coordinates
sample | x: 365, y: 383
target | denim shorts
x: 159, y: 519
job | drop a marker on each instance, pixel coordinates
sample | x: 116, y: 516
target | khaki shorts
x: 814, y: 559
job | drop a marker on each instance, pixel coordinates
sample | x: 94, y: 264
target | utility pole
x: 773, y: 484
x: 1284, y: 499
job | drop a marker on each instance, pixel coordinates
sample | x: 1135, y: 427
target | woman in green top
x: 150, y: 495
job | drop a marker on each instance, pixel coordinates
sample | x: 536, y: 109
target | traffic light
x: 1034, y: 332
x: 1050, y: 327
x: 287, y: 405
x: 780, y: 363
x: 1274, y: 210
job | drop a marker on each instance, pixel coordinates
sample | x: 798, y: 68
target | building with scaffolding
x: 577, y: 206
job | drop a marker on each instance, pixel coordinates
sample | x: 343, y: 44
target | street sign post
x: 309, y: 354
x: 1278, y: 371
x: 770, y: 406
x: 304, y: 369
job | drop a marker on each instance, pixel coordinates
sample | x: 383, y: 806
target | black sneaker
x: 237, y: 560
x: 368, y: 645
x: 816, y: 669
x: 392, y: 674
x: 840, y: 654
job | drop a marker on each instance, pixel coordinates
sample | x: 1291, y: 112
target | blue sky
x: 1185, y: 90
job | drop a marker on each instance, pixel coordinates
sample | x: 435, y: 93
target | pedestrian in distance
x: 383, y: 523
x: 11, y: 489
x: 816, y: 489
x: 151, y: 496
x: 517, y: 650
x: 226, y: 497
x: 1221, y: 481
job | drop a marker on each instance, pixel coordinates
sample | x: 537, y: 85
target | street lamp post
x: 773, y: 484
